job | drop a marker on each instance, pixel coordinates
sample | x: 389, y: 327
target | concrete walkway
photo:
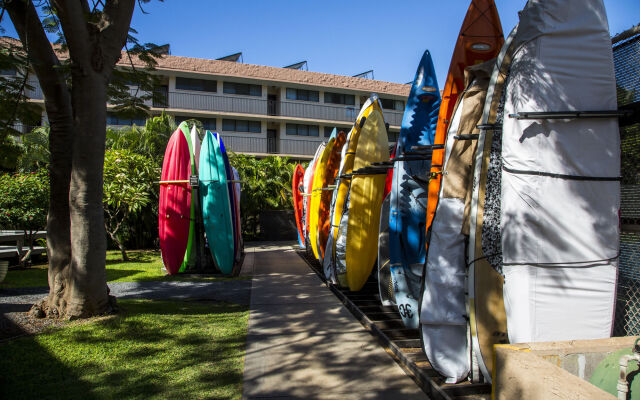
x: 304, y: 344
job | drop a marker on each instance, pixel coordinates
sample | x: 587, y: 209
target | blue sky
x: 334, y: 36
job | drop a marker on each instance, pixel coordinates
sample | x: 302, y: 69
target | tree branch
x: 73, y: 20
x: 118, y: 13
x: 44, y: 60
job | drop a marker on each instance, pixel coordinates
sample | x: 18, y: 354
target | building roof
x: 261, y: 73
x: 280, y: 75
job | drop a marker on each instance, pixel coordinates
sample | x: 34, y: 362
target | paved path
x: 303, y: 344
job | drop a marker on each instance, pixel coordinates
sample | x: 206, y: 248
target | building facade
x: 263, y: 110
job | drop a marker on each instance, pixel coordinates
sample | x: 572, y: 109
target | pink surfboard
x: 175, y: 202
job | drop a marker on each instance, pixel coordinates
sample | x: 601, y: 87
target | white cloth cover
x: 195, y: 140
x: 560, y: 235
x: 442, y: 310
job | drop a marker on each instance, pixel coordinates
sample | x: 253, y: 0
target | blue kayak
x: 407, y: 216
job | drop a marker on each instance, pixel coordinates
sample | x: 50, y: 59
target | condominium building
x: 262, y: 110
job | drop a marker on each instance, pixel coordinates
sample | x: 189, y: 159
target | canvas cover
x: 443, y: 309
x: 560, y: 189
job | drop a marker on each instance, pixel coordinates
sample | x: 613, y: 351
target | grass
x: 152, y: 349
x: 143, y: 265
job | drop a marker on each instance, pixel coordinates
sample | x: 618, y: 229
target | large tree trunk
x: 89, y: 294
x: 76, y: 234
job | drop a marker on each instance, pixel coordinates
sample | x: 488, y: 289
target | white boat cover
x: 195, y: 140
x: 442, y: 309
x: 560, y: 189
x: 443, y: 302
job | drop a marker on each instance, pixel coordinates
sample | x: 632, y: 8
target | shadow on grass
x: 20, y: 370
x: 166, y: 349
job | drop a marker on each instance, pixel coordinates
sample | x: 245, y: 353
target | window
x: 207, y: 123
x: 393, y: 136
x: 242, y: 88
x: 390, y: 104
x: 303, y: 95
x: 239, y: 125
x: 302, y: 130
x: 201, y: 85
x: 114, y: 119
x: 329, y: 129
x: 339, y: 98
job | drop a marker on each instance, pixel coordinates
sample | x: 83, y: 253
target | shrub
x: 128, y: 191
x: 24, y: 202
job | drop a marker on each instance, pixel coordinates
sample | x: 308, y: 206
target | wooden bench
x: 17, y: 247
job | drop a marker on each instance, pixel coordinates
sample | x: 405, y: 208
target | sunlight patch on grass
x: 159, y: 349
x: 143, y: 266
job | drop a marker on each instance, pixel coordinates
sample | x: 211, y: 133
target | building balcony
x: 246, y: 105
x: 263, y: 146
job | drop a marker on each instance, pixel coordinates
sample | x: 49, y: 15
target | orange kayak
x: 331, y: 171
x: 480, y: 40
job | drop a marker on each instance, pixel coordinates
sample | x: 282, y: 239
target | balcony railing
x: 243, y: 144
x: 258, y: 106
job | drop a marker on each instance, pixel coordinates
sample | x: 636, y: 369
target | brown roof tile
x: 281, y: 75
x: 262, y: 73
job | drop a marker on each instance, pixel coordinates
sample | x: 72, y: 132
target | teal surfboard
x: 216, y: 209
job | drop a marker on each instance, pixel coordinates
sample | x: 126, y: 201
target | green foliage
x: 24, y: 201
x: 153, y: 349
x: 149, y: 141
x: 35, y: 150
x: 14, y: 105
x: 266, y: 185
x: 128, y: 189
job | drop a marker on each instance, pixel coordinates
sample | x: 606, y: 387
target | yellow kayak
x: 316, y: 193
x: 365, y: 198
x: 346, y: 167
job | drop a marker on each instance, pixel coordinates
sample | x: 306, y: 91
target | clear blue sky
x: 334, y: 36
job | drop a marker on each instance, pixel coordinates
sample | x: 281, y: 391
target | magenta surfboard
x: 175, y: 202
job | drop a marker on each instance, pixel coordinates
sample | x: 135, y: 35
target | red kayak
x: 175, y: 202
x: 297, y: 189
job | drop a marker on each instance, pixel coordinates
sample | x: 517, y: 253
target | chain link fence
x: 626, y: 56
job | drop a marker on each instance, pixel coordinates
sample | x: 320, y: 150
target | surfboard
x: 216, y: 206
x: 189, y: 261
x: 560, y: 186
x: 341, y: 208
x: 487, y: 317
x: 409, y: 192
x: 329, y: 260
x: 480, y: 39
x: 175, y: 202
x: 443, y: 322
x: 316, y: 191
x: 365, y: 199
x: 231, y: 191
x: 297, y: 188
x: 239, y: 249
x: 308, y: 186
x: 326, y: 193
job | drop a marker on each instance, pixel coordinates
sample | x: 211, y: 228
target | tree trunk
x: 88, y: 294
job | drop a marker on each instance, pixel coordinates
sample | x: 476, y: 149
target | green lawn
x: 152, y: 349
x: 143, y: 265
